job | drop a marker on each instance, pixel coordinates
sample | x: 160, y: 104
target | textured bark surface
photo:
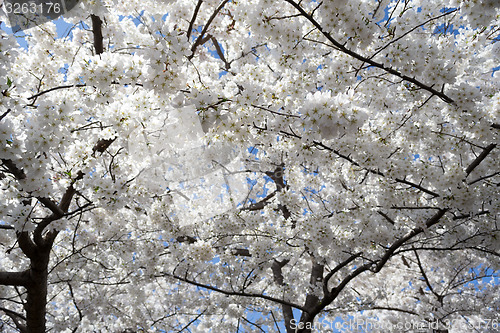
x: 37, y: 293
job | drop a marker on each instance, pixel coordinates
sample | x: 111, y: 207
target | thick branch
x: 338, y: 268
x: 14, y: 278
x: 277, y: 177
x: 241, y: 252
x: 47, y: 240
x: 58, y: 211
x: 101, y: 145
x: 480, y: 158
x: 40, y: 241
x: 430, y: 222
x: 13, y: 169
x: 36, y: 300
x: 54, y: 208
x: 278, y: 278
x: 26, y: 244
x: 312, y: 299
x: 186, y: 239
x: 235, y: 293
x: 97, y: 30
x: 20, y: 175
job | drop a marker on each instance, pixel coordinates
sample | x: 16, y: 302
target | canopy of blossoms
x: 251, y: 166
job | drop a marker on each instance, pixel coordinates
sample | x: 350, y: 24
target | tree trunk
x: 306, y: 324
x: 36, y: 304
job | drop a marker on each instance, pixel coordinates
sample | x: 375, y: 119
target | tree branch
x: 26, y: 244
x: 260, y: 204
x: 480, y: 158
x: 375, y: 172
x: 58, y: 211
x: 200, y: 38
x: 483, y: 178
x: 278, y: 278
x: 56, y: 88
x: 193, y: 19
x: 20, y: 175
x: 5, y: 114
x: 13, y: 169
x: 15, y: 318
x: 422, y: 271
x: 375, y: 267
x: 220, y: 53
x: 388, y: 308
x: 338, y: 268
x: 315, y: 278
x: 386, y: 217
x: 97, y: 31
x: 373, y: 63
x: 429, y: 223
x: 19, y: 279
x: 234, y: 293
x: 241, y: 252
x: 411, y: 30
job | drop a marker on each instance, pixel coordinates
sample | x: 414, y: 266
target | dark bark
x: 312, y: 300
x: 278, y: 278
x: 36, y: 303
x: 36, y: 246
x: 102, y: 145
x: 193, y: 19
x: 316, y: 306
x: 368, y: 60
x: 35, y: 281
x: 97, y: 30
x: 202, y: 37
x: 14, y: 278
x: 480, y: 158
